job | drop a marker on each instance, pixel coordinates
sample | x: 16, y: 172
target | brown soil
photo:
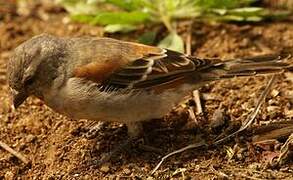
x: 60, y: 148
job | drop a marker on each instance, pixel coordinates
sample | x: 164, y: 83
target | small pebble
x: 105, y: 168
x: 275, y: 93
x: 150, y: 178
x: 273, y: 108
x: 126, y: 171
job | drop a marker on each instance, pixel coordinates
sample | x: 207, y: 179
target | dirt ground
x: 61, y: 148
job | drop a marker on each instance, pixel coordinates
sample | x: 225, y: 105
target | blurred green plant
x: 126, y: 15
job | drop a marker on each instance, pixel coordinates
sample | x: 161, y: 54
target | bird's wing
x: 136, y: 66
x: 165, y: 70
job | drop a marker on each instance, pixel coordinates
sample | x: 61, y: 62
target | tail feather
x: 257, y: 65
x: 265, y: 58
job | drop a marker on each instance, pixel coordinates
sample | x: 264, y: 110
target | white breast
x: 81, y: 101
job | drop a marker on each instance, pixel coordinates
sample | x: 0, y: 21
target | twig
x: 188, y: 40
x: 249, y: 177
x: 192, y: 115
x: 272, y: 126
x: 13, y: 152
x: 150, y: 148
x: 285, y: 149
x: 196, y: 98
x: 245, y: 124
x: 220, y: 174
x: 253, y: 115
x: 195, y: 93
x: 191, y: 146
x: 274, y: 134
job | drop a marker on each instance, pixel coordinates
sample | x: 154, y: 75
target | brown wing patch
x: 96, y: 71
x: 108, y: 55
x: 140, y: 50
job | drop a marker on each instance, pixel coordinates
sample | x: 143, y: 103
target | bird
x: 105, y: 79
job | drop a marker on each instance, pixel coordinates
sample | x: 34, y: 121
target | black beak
x: 18, y: 98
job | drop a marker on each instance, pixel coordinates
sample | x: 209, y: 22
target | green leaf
x: 173, y: 42
x: 124, y: 28
x: 128, y: 5
x: 148, y: 38
x: 223, y: 4
x: 231, y: 18
x: 122, y: 15
x: 254, y: 18
x: 170, y: 5
x: 79, y: 6
x: 134, y: 17
x: 106, y: 18
x: 185, y: 9
x: 83, y: 18
x: 250, y: 14
x: 220, y: 11
x: 247, y: 11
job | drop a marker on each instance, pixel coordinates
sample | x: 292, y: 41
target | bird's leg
x: 135, y: 129
x: 135, y: 133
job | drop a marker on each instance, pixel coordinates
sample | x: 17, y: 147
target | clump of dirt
x: 60, y: 148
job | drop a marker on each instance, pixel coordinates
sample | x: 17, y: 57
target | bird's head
x: 33, y: 66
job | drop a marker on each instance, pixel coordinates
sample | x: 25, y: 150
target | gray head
x: 33, y: 66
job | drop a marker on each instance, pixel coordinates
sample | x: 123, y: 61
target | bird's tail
x: 257, y: 65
